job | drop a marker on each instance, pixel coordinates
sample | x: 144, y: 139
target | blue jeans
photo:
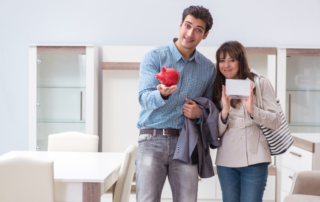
x: 245, y: 184
x: 155, y: 162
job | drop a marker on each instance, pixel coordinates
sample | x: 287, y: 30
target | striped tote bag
x: 279, y: 140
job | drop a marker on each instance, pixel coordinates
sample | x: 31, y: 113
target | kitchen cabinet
x: 121, y: 71
x: 63, y: 91
x: 304, y: 155
x: 298, y: 89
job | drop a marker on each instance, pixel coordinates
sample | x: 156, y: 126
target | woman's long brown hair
x: 237, y: 52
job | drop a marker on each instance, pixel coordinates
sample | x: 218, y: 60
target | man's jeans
x: 154, y: 162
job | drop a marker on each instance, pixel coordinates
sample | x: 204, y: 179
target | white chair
x: 73, y: 142
x: 24, y: 179
x: 122, y: 189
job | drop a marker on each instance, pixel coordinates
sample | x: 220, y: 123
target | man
x: 164, y: 109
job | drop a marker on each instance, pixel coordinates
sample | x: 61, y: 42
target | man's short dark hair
x: 199, y: 12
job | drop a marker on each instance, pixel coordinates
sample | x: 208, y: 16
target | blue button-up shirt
x: 196, y: 80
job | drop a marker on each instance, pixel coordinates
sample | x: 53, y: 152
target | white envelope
x: 237, y: 88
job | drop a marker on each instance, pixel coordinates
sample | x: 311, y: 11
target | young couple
x: 243, y: 157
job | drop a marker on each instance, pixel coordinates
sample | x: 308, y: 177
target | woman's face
x: 229, y: 67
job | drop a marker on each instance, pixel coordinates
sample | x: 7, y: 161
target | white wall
x: 130, y: 23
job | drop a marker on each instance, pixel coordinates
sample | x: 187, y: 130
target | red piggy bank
x: 168, y: 77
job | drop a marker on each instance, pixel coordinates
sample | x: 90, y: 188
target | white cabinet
x: 120, y: 71
x: 304, y: 155
x: 63, y: 91
x: 298, y: 88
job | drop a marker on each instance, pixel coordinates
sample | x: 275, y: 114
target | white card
x: 238, y: 88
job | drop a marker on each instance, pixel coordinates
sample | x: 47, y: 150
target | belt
x: 239, y: 123
x: 166, y: 131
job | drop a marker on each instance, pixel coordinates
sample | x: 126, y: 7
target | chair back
x: 26, y: 179
x: 127, y: 170
x: 73, y: 142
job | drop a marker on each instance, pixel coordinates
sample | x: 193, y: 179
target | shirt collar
x: 177, y: 55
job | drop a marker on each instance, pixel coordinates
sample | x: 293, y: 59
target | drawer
x: 283, y: 195
x: 297, y: 159
x: 270, y: 191
x: 218, y: 189
x: 206, y: 189
x: 166, y: 191
x: 286, y: 179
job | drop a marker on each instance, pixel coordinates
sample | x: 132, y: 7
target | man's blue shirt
x: 197, y: 76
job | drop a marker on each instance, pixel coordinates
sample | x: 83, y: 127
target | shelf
x: 59, y: 121
x: 305, y: 124
x: 120, y: 65
x: 261, y: 50
x: 303, y: 52
x: 61, y: 87
x: 61, y: 50
x: 313, y: 90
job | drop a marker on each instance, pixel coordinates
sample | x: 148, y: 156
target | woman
x: 243, y: 158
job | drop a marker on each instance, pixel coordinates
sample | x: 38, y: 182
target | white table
x: 89, y: 168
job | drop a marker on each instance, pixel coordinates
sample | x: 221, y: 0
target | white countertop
x: 311, y: 137
x: 77, y: 166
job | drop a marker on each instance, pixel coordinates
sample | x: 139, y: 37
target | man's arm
x: 151, y: 95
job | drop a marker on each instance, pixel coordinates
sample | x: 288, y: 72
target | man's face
x: 192, y: 32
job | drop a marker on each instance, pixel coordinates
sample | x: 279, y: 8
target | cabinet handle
x: 80, y: 105
x: 289, y: 108
x: 293, y: 153
x: 290, y: 177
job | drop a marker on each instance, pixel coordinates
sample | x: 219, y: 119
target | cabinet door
x: 61, y: 90
x: 303, y: 92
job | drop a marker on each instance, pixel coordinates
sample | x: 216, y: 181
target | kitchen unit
x: 298, y: 88
x: 304, y: 155
x: 63, y: 91
x: 121, y: 72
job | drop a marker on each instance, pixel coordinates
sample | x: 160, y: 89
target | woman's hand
x: 191, y: 109
x: 249, y: 102
x: 225, y: 104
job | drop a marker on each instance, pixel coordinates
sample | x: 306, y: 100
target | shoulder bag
x: 279, y: 140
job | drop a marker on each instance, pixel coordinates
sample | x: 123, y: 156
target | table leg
x: 113, y: 190
x: 91, y: 192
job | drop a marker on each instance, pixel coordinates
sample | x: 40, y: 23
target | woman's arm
x: 269, y: 116
x: 224, y: 114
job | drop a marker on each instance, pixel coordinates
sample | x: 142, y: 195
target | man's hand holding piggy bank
x: 169, y: 78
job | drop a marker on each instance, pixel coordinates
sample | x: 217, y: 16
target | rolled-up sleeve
x: 269, y: 116
x: 149, y: 97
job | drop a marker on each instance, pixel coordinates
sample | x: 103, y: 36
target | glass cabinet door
x: 61, y: 89
x: 303, y: 94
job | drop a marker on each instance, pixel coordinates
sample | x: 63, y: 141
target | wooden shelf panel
x: 120, y: 65
x: 61, y: 50
x: 261, y: 50
x: 303, y: 52
x: 303, y: 144
x: 136, y: 65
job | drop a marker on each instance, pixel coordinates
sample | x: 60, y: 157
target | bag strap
x: 258, y: 92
